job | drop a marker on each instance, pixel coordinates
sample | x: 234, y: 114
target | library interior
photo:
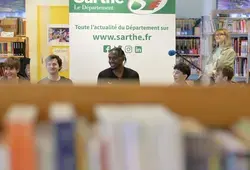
x: 90, y: 65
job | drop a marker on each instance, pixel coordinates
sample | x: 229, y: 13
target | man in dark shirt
x: 54, y: 65
x: 117, y: 73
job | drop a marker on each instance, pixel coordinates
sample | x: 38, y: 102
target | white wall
x: 208, y: 6
x: 31, y: 17
x: 194, y: 8
x: 189, y: 8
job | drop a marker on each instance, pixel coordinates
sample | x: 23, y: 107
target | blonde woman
x: 224, y: 54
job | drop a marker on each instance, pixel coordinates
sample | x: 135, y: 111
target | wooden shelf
x: 213, y: 106
x: 237, y: 35
x: 234, y: 11
x: 191, y: 55
x: 187, y: 36
x: 241, y: 56
x: 7, y: 56
x: 16, y: 39
x: 12, y: 39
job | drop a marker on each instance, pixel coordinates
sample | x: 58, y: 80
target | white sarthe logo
x: 146, y: 6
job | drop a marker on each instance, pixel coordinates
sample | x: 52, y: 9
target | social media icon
x: 106, y: 48
x: 138, y: 49
x: 128, y: 49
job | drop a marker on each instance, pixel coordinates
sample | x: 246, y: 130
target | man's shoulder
x: 131, y: 71
x: 66, y: 79
x: 105, y: 72
x: 43, y: 80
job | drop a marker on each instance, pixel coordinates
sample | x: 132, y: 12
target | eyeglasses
x: 218, y: 34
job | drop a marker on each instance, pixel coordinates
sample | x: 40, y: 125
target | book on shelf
x: 188, y: 46
x: 190, y: 49
x: 242, y: 129
x: 139, y: 140
x: 241, y: 67
x: 187, y: 27
x: 208, y: 26
x: 215, y: 149
x: 45, y: 144
x: 234, y: 25
x: 126, y: 137
x: 188, y: 43
x: 12, y: 49
x: 63, y: 141
x: 12, y: 24
x: 240, y: 46
x: 63, y: 117
x: 233, y: 152
x: 20, y: 136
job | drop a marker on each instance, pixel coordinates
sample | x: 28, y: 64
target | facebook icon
x: 106, y: 48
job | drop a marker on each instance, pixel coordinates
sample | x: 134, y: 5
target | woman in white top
x: 224, y: 54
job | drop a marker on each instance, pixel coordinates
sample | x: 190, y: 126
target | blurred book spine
x: 64, y: 123
x: 20, y: 134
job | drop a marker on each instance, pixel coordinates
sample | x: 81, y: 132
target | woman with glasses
x: 223, y: 55
x: 117, y: 73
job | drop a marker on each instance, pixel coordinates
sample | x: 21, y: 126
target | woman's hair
x: 227, y: 41
x: 120, y: 52
x: 12, y: 62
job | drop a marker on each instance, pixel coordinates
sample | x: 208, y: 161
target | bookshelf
x: 16, y: 46
x: 188, y: 43
x: 238, y: 24
x: 14, y: 24
x: 12, y: 39
x: 222, y: 111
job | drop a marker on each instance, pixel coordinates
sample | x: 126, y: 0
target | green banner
x: 139, y: 7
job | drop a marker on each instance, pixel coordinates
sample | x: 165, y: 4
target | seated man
x: 54, y: 65
x: 181, y: 72
x: 117, y: 73
x: 224, y: 75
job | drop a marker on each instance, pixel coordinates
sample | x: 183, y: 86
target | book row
x: 12, y: 48
x: 188, y: 46
x: 234, y: 25
x: 187, y: 27
x: 126, y: 137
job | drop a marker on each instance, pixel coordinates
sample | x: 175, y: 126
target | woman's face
x: 219, y: 37
x: 10, y: 73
